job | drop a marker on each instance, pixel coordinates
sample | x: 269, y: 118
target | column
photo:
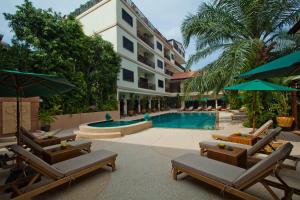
x: 216, y: 102
x: 125, y: 106
x: 139, y: 105
x: 150, y: 103
x: 158, y: 104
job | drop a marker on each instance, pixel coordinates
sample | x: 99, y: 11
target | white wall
x: 99, y: 19
x: 127, y: 64
x: 111, y: 36
x: 124, y: 24
x: 159, y: 77
x: 123, y: 51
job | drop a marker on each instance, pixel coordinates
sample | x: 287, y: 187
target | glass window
x: 160, y: 83
x: 160, y: 64
x: 127, y: 18
x: 128, y: 75
x: 159, y: 46
x: 127, y: 44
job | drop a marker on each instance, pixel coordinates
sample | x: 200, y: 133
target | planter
x: 130, y: 112
x: 285, y: 122
x: 45, y: 128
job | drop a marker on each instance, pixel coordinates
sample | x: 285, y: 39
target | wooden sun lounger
x: 258, y: 133
x: 55, y: 153
x: 235, y: 180
x: 256, y: 152
x: 57, y: 174
x: 55, y: 139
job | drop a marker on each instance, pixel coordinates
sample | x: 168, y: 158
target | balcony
x: 146, y: 61
x: 167, y: 57
x: 168, y: 72
x: 143, y: 83
x: 178, y: 65
x: 146, y: 38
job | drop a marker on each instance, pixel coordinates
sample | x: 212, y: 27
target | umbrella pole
x: 18, y: 118
x: 253, y: 111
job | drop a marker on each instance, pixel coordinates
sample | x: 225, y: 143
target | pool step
x: 89, y: 135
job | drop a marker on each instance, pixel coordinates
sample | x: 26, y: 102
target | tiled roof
x: 184, y: 75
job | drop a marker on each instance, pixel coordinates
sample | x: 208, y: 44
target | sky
x: 165, y: 15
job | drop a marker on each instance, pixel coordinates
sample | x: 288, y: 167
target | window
x: 128, y: 75
x: 160, y: 64
x: 127, y: 44
x: 160, y: 84
x: 127, y: 18
x: 172, y: 56
x: 159, y: 46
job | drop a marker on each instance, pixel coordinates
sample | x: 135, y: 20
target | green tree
x: 56, y: 44
x: 247, y: 32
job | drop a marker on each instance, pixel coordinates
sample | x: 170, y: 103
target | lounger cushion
x: 37, y: 162
x: 76, y: 164
x: 213, y: 169
x: 212, y: 143
x: 280, y: 154
x: 287, y: 162
x: 65, y: 135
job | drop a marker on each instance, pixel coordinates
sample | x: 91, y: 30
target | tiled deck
x: 144, y: 168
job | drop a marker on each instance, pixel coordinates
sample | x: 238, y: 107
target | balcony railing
x: 168, y: 72
x: 167, y: 57
x: 172, y: 90
x: 178, y: 65
x: 146, y: 61
x: 145, y: 85
x: 145, y: 39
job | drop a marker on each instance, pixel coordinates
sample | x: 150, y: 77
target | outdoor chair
x: 80, y: 145
x: 258, y: 133
x: 57, y: 174
x: 256, y: 152
x: 199, y: 108
x: 235, y: 180
x: 191, y: 108
x: 209, y: 108
x: 55, y: 138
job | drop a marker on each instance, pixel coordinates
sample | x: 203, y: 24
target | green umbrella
x: 288, y: 65
x: 258, y: 85
x: 23, y: 84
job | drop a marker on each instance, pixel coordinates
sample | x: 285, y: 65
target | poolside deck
x: 144, y: 168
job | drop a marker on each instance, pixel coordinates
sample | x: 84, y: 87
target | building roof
x: 295, y: 28
x: 184, y: 75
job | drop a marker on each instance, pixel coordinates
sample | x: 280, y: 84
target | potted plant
x: 283, y: 119
x: 46, y: 117
x: 131, y: 105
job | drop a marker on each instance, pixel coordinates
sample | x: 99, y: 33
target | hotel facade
x: 150, y: 62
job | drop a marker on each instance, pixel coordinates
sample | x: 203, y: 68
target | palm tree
x: 248, y: 33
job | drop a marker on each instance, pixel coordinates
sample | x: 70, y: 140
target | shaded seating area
x: 236, y: 180
x: 47, y: 177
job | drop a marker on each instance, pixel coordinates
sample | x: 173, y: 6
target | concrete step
x: 89, y: 135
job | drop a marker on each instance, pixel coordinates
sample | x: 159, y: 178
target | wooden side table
x: 242, y: 139
x: 60, y: 154
x: 235, y: 156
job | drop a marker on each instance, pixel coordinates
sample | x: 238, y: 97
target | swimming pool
x: 169, y: 120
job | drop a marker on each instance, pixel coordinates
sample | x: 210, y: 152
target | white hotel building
x: 149, y: 60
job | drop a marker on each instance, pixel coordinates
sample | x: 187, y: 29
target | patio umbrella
x: 255, y: 86
x: 23, y: 84
x: 288, y: 65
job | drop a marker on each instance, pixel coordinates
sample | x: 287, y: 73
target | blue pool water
x: 171, y: 120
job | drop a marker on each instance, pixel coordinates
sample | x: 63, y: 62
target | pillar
x: 139, y: 105
x: 158, y: 104
x: 150, y: 103
x: 216, y: 103
x: 125, y: 106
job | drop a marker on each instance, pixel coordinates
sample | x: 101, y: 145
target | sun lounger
x: 79, y: 147
x: 43, y: 140
x: 232, y: 179
x: 199, y: 108
x: 259, y: 132
x: 256, y: 152
x: 59, y: 173
x: 191, y: 108
x: 209, y: 108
